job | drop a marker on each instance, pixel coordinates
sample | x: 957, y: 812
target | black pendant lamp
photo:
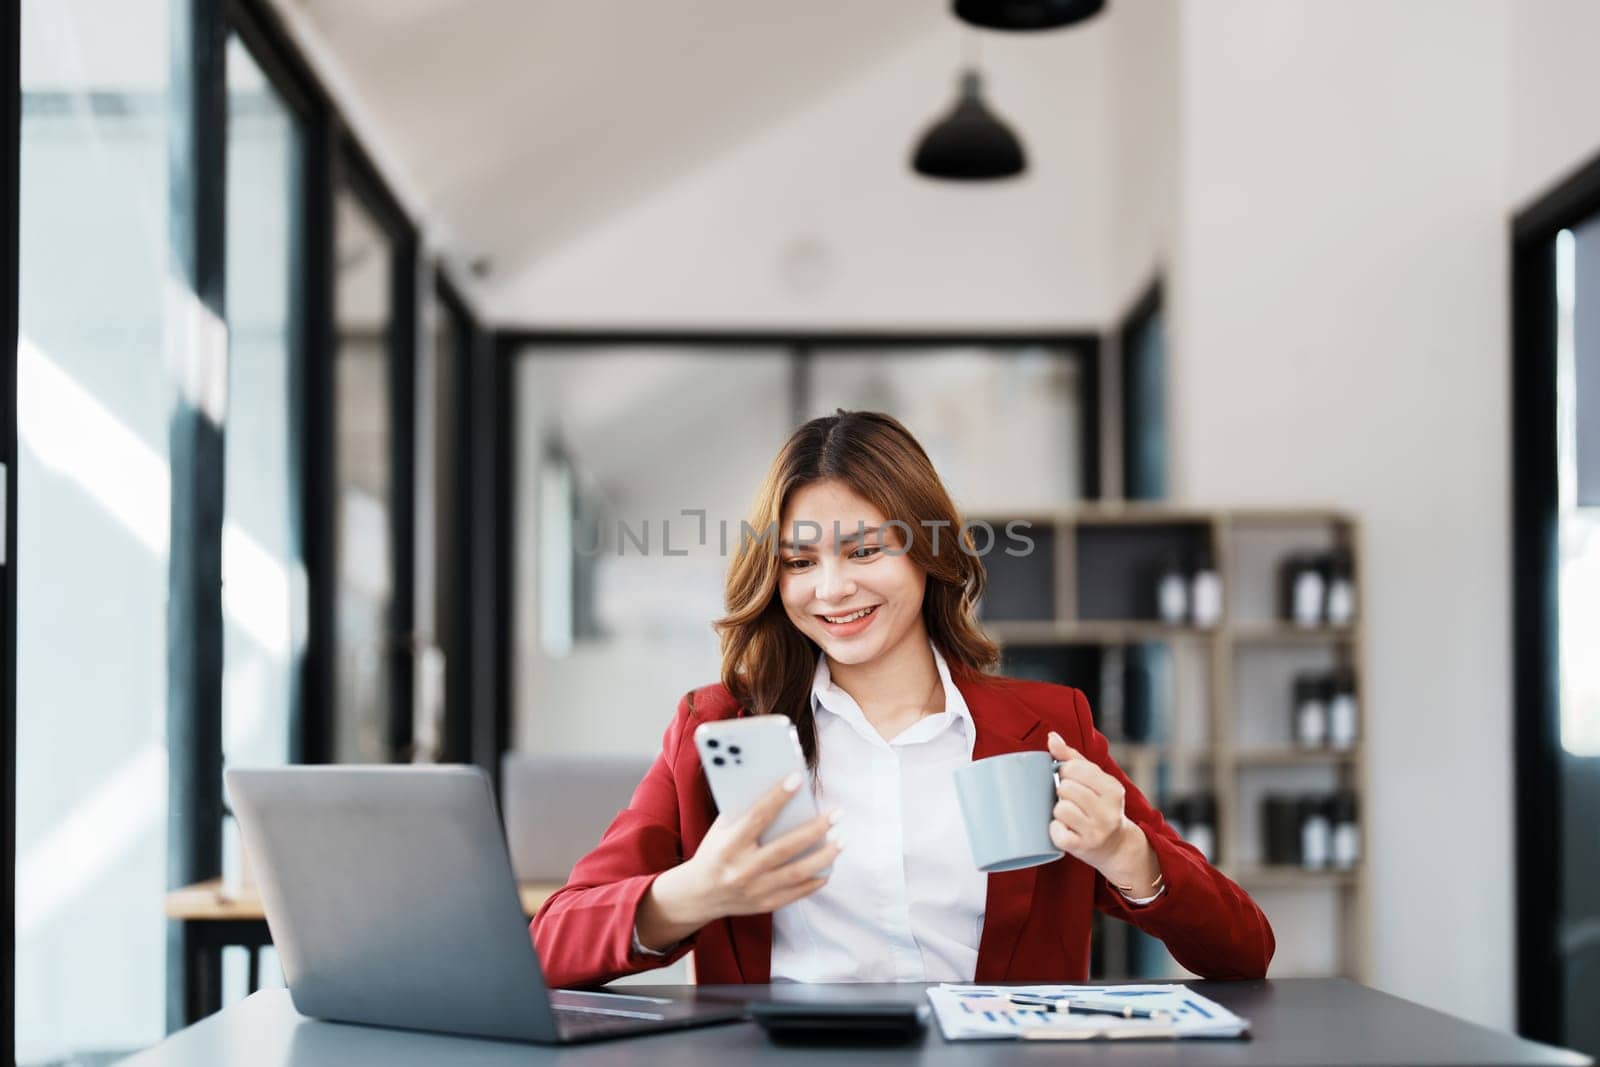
x: 970, y: 143
x: 1025, y: 14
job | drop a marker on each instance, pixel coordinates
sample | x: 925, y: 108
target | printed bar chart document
x: 1079, y: 1012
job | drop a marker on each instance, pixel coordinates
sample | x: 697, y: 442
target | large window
x: 93, y: 402
x: 116, y: 310
x: 263, y: 578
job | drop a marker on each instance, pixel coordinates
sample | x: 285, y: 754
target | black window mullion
x: 1088, y: 352
x: 403, y: 495
x: 197, y: 135
x: 455, y: 573
x: 313, y: 410
x: 500, y: 513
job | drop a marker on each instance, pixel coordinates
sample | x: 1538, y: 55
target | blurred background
x: 391, y: 375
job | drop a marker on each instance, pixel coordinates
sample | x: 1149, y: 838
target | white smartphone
x: 743, y: 758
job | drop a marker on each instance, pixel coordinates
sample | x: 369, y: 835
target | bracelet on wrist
x: 1155, y: 887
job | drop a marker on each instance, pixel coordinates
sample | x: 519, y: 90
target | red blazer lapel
x: 752, y: 947
x: 1003, y: 724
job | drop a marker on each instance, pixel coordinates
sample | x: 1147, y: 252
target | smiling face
x: 856, y: 600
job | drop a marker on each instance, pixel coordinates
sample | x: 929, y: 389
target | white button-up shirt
x: 905, y: 900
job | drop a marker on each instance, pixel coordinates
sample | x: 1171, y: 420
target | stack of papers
x: 980, y: 1013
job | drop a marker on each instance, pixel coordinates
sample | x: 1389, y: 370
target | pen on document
x: 1086, y: 1007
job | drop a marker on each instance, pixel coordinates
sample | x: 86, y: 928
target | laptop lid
x: 390, y: 897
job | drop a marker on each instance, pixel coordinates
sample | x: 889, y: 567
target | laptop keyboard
x: 580, y: 1022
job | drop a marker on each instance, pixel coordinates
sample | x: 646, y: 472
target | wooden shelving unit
x: 1086, y: 592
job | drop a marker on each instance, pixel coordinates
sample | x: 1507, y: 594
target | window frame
x: 468, y: 736
x: 335, y: 156
x: 1535, y: 559
x: 355, y: 171
x: 510, y: 344
x: 1140, y: 439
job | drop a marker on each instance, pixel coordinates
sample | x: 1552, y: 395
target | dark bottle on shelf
x: 1341, y: 593
x: 1316, y: 833
x: 1302, y: 587
x: 1205, y: 590
x: 1346, y: 843
x: 1309, y: 723
x: 1280, y: 822
x: 1344, y: 716
x: 1172, y: 591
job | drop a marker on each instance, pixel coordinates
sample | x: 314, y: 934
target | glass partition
x: 616, y: 443
x: 363, y: 427
x: 93, y: 399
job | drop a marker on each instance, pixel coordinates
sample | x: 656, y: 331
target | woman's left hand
x: 1089, y: 823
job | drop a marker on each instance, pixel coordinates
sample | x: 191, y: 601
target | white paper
x: 975, y: 1013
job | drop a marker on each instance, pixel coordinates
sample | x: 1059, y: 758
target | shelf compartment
x: 1098, y: 632
x: 1282, y: 633
x: 1272, y: 876
x: 1117, y: 565
x: 1021, y: 588
x: 1289, y: 755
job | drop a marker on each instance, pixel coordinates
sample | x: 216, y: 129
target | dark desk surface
x: 1295, y: 1022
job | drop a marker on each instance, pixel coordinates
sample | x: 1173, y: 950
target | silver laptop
x: 391, y: 902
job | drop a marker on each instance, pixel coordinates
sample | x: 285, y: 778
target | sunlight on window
x: 197, y: 345
x: 91, y: 839
x: 79, y: 438
x: 555, y: 553
x: 1578, y: 588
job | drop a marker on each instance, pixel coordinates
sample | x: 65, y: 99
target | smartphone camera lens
x: 733, y: 750
x: 718, y: 760
x: 712, y: 742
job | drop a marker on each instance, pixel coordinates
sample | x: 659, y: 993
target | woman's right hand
x: 732, y: 873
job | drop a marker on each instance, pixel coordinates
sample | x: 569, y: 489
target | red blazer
x: 1036, y: 920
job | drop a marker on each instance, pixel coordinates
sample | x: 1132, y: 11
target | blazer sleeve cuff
x: 1177, y: 881
x: 637, y: 957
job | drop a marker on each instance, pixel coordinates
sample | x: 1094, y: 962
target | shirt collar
x: 825, y: 696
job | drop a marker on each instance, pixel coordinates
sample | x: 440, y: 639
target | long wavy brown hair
x: 767, y: 664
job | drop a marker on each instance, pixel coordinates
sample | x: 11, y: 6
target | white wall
x: 1144, y: 69
x: 1339, y: 329
x: 1555, y: 80
x: 818, y: 220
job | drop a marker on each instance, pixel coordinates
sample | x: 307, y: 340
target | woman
x: 857, y: 623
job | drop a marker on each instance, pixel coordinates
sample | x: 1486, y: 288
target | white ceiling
x: 520, y: 124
